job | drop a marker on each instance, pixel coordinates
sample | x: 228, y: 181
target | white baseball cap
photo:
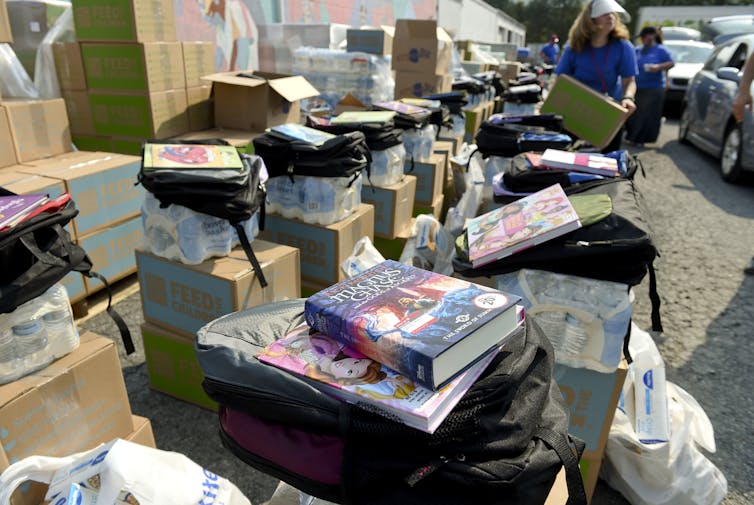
x: 600, y: 7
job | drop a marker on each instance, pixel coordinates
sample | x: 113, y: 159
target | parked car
x: 720, y: 29
x: 707, y: 120
x: 680, y: 33
x: 689, y: 57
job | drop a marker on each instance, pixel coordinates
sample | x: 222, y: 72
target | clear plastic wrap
x: 387, y: 166
x: 420, y: 142
x: 15, y: 81
x: 316, y: 200
x: 45, y: 75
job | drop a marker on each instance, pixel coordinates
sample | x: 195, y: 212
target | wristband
x: 628, y: 98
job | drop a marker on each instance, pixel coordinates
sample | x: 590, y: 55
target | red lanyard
x: 597, y: 67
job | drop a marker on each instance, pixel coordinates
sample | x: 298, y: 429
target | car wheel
x: 683, y: 125
x: 730, y: 160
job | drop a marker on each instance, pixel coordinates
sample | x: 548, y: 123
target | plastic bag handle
x: 36, y: 468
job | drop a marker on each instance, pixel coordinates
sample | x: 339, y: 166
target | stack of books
x: 15, y: 209
x: 588, y: 163
x: 399, y: 341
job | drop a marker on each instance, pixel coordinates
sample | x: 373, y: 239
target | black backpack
x: 509, y: 135
x: 504, y: 443
x: 234, y: 195
x: 379, y: 136
x: 346, y: 155
x: 37, y: 253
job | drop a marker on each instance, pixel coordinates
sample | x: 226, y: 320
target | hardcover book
x: 292, y: 131
x: 427, y: 326
x: 580, y: 162
x: 14, y: 208
x: 194, y: 156
x: 366, y: 116
x: 509, y: 229
x: 352, y: 377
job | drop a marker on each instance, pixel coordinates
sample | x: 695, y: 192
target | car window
x: 689, y: 53
x: 721, y: 57
x: 739, y: 57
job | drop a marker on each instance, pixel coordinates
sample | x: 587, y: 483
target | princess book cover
x: 524, y: 223
x: 350, y: 376
x: 194, y: 156
x: 426, y: 325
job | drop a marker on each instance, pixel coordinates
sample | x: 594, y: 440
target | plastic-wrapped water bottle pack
x: 585, y: 319
x: 181, y: 234
x: 387, y: 166
x: 420, y: 142
x: 458, y: 126
x: 315, y: 200
x: 36, y: 333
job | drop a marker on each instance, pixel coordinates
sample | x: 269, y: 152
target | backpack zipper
x: 424, y: 471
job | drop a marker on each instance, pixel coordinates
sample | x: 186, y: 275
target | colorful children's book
x: 14, y: 208
x: 427, y: 326
x: 193, y: 156
x: 293, y: 131
x: 366, y: 116
x: 589, y: 163
x: 352, y: 377
x: 519, y: 225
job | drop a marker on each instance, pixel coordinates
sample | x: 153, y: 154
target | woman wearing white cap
x: 600, y: 55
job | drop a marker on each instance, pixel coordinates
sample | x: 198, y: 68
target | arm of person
x: 743, y: 96
x: 629, y: 93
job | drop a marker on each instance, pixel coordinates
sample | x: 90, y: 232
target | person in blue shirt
x: 653, y: 60
x: 599, y: 54
x: 550, y: 51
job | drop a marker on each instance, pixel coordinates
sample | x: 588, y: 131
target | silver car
x: 689, y: 57
x: 707, y: 120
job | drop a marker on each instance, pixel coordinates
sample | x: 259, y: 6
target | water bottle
x: 575, y: 337
x: 62, y: 334
x: 31, y: 338
x: 11, y: 367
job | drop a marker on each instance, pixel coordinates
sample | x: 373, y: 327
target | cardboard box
x: 349, y: 103
x: 509, y: 70
x: 416, y: 84
x: 183, y: 298
x: 392, y: 206
x: 370, y: 40
x: 172, y: 365
x: 79, y: 112
x: 589, y: 466
x: 591, y: 397
x: 142, y: 433
x: 323, y: 248
x: 93, y: 143
x: 201, y: 114
x: 112, y: 251
x: 7, y: 150
x: 421, y: 46
x: 137, y: 67
x: 155, y: 115
x: 102, y: 184
x: 258, y: 101
x: 474, y: 120
x: 5, y: 33
x: 69, y: 66
x: 435, y: 209
x: 39, y: 128
x: 125, y: 145
x: 12, y: 179
x: 124, y: 20
x: 586, y: 113
x: 241, y: 140
x: 75, y: 403
x: 429, y: 178
x: 456, y: 142
x: 198, y: 60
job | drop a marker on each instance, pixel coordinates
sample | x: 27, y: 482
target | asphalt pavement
x: 704, y: 229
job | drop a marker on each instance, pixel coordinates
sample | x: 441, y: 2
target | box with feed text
x: 79, y: 112
x: 241, y: 140
x: 124, y: 20
x: 135, y: 67
x: 161, y: 114
x: 183, y: 298
x: 172, y: 365
x: 93, y: 143
x: 254, y: 101
x: 198, y: 60
x: 39, y: 128
x: 201, y: 115
x: 69, y: 66
x: 421, y: 46
x: 323, y: 248
x: 418, y: 84
x: 111, y: 250
x: 392, y: 206
x: 429, y: 178
x: 102, y: 184
x: 586, y: 113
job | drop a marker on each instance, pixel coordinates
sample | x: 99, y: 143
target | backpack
x: 524, y: 93
x: 378, y: 136
x: 229, y: 194
x: 37, y: 253
x: 618, y: 248
x: 499, y: 136
x: 503, y: 443
x: 346, y: 155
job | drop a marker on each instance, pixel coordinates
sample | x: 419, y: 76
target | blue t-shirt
x: 600, y: 67
x: 651, y: 55
x: 551, y: 51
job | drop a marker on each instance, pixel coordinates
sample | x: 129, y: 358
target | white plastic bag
x: 675, y: 472
x: 469, y: 202
x: 430, y: 246
x: 151, y: 476
x: 363, y: 256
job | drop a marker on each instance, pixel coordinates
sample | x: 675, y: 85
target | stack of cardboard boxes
x: 421, y: 58
x: 127, y: 79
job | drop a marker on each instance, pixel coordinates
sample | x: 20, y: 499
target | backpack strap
x: 125, y: 333
x: 250, y: 254
x: 655, y: 298
x: 559, y: 443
